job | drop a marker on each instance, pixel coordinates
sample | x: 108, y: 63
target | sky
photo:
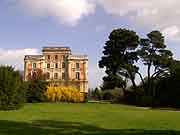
x: 84, y: 25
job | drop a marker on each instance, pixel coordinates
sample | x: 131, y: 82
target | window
x: 77, y: 66
x: 63, y: 76
x: 56, y: 65
x: 48, y: 75
x: 64, y: 57
x: 48, y: 65
x: 34, y: 65
x: 77, y: 75
x: 63, y: 65
x: 34, y: 75
x: 55, y: 75
x: 56, y: 57
x: 48, y: 57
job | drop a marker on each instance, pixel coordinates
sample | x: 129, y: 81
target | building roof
x: 78, y: 57
x: 56, y: 48
x: 33, y: 57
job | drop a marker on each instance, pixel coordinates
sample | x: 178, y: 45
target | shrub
x: 64, y: 94
x: 115, y: 95
x: 96, y: 94
x: 146, y: 101
x: 36, y: 87
x: 35, y: 91
x: 11, y: 89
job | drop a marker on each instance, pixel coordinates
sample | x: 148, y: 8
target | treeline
x: 125, y: 54
x: 14, y: 92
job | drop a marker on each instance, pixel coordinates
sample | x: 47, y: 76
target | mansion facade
x: 60, y: 67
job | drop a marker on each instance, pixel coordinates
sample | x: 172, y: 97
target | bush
x: 146, y: 101
x: 96, y: 94
x: 35, y: 91
x: 35, y: 87
x: 12, y: 94
x: 64, y: 94
x: 115, y: 95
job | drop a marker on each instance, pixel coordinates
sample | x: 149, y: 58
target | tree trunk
x: 149, y: 79
x: 133, y: 81
x: 142, y: 80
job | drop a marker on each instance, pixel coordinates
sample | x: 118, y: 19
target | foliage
x: 115, y: 95
x: 119, y: 57
x: 96, y: 94
x: 123, y: 50
x: 35, y: 91
x: 64, y: 94
x: 36, y: 87
x: 110, y: 82
x: 154, y: 54
x: 168, y: 88
x: 11, y: 89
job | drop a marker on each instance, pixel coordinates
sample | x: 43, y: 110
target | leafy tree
x: 119, y: 58
x: 36, y: 86
x: 173, y: 85
x: 11, y: 89
x: 154, y: 54
x: 111, y: 82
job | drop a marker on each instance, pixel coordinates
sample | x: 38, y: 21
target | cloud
x: 15, y: 57
x: 65, y: 11
x: 154, y: 14
x: 171, y: 32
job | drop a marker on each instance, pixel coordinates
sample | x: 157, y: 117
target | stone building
x: 60, y: 67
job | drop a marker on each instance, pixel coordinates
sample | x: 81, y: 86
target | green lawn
x: 88, y: 119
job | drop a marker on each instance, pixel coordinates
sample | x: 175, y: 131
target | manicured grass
x: 88, y: 119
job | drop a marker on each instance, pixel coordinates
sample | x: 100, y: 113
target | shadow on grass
x: 48, y: 127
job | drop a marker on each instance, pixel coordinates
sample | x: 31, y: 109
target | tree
x: 119, y: 57
x: 111, y: 82
x: 154, y: 54
x: 11, y: 89
x: 36, y: 87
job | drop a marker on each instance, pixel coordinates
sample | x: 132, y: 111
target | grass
x: 88, y: 119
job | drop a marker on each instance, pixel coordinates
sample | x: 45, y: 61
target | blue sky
x: 83, y: 25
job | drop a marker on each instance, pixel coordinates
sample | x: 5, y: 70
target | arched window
x: 77, y: 75
x: 48, y: 75
x: 56, y: 57
x: 77, y: 66
x: 63, y: 76
x: 48, y: 57
x: 56, y: 76
x: 48, y: 65
x: 63, y: 65
x: 56, y: 65
x: 34, y: 65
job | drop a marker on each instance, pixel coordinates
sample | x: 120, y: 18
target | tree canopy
x: 122, y: 53
x: 11, y: 89
x: 119, y: 56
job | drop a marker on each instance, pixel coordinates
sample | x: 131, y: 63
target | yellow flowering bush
x: 64, y: 94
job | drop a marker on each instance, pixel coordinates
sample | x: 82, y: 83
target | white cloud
x: 154, y: 14
x: 172, y: 32
x: 15, y: 57
x: 65, y: 11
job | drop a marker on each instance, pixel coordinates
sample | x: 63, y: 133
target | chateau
x: 60, y: 67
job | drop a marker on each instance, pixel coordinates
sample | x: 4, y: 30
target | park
x: 89, y: 67
x: 39, y: 105
x: 88, y: 119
